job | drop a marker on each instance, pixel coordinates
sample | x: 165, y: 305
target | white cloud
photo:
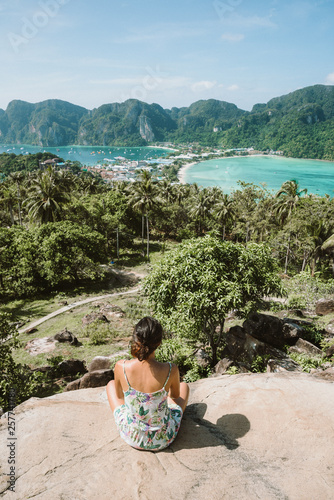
x: 233, y: 37
x: 251, y: 21
x: 203, y: 85
x: 330, y: 79
x: 233, y: 87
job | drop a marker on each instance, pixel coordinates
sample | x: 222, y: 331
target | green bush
x: 313, y: 334
x: 297, y: 302
x: 259, y: 364
x: 99, y: 333
x: 180, y: 353
x: 17, y: 382
x: 306, y: 362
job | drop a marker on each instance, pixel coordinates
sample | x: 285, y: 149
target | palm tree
x: 17, y: 178
x: 201, y: 207
x: 8, y: 199
x: 143, y: 196
x: 224, y: 211
x: 167, y: 191
x: 47, y: 196
x: 287, y: 199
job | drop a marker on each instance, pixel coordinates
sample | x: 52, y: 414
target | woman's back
x: 147, y: 377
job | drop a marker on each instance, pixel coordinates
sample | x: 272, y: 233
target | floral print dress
x: 145, y: 421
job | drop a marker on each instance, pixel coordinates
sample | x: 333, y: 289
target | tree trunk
x: 148, y: 238
x: 142, y: 233
x: 287, y: 256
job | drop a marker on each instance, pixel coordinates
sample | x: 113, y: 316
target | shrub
x: 306, y: 362
x: 297, y: 302
x: 259, y: 364
x: 99, y: 333
x: 17, y: 382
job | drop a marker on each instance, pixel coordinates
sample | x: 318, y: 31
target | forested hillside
x: 301, y: 124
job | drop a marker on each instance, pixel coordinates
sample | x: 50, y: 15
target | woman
x: 146, y: 396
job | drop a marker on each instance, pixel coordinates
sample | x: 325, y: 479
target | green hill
x: 301, y: 124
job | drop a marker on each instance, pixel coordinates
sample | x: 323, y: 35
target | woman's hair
x: 146, y: 337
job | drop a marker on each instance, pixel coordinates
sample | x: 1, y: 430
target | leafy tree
x: 194, y: 287
x: 69, y: 252
x: 17, y: 382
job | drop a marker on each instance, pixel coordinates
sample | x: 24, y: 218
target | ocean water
x: 315, y: 175
x: 89, y: 155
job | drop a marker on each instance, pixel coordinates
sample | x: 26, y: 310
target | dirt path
x: 75, y: 304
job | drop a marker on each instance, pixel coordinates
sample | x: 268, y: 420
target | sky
x: 171, y: 52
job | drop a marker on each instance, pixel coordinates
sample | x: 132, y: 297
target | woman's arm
x: 174, y: 388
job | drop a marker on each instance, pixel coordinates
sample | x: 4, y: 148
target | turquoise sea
x: 89, y: 155
x: 315, y: 175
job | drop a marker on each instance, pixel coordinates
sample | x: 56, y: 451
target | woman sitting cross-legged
x: 146, y: 396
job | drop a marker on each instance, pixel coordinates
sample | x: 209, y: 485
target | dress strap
x: 170, y: 369
x: 126, y: 378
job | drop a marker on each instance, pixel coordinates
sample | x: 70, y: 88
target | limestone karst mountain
x: 300, y: 124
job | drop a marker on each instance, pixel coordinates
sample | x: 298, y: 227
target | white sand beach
x: 183, y: 169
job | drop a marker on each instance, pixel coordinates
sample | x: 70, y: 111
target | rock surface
x: 245, y: 437
x: 324, y: 306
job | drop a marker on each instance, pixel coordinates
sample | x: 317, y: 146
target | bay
x: 315, y: 175
x: 89, y: 155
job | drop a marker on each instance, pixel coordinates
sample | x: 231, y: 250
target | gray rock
x: 72, y: 367
x: 99, y: 363
x: 39, y: 346
x: 327, y: 374
x: 304, y: 347
x: 324, y: 306
x: 98, y: 378
x: 94, y: 316
x: 282, y: 365
x: 66, y: 336
x: 253, y: 436
x: 202, y: 358
x: 329, y: 351
x: 271, y: 330
x: 241, y: 346
x: 223, y: 365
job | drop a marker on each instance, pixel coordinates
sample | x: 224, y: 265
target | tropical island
x: 242, y: 282
x: 299, y: 124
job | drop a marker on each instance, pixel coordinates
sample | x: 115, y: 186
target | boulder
x: 223, y: 365
x: 324, y: 306
x: 327, y: 374
x: 329, y: 328
x: 282, y: 365
x: 304, y: 347
x: 72, y: 367
x: 271, y: 330
x: 111, y: 311
x: 329, y: 352
x: 66, y: 336
x: 39, y: 346
x: 241, y: 346
x: 94, y: 316
x: 99, y: 363
x: 245, y: 437
x: 202, y: 358
x: 31, y: 330
x: 99, y: 378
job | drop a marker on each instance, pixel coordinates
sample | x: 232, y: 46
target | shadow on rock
x: 196, y: 432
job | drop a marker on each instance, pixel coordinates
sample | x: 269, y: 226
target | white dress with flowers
x: 145, y: 420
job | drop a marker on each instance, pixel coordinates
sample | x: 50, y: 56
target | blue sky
x: 171, y: 52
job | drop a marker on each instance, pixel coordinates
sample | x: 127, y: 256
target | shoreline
x: 182, y: 170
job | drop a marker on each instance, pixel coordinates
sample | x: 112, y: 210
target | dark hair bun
x: 147, y: 336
